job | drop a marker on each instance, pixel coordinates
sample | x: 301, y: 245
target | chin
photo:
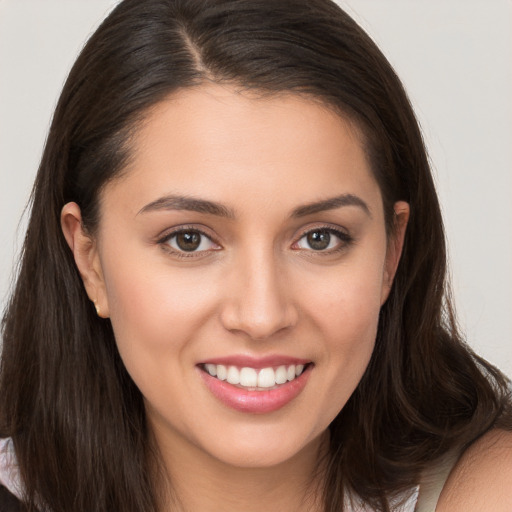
x: 266, y: 450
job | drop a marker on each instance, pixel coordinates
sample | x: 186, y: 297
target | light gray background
x: 455, y: 58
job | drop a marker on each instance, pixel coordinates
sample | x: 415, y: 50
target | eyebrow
x: 331, y: 204
x: 193, y: 204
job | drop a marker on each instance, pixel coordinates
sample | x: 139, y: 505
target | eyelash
x: 345, y: 241
x: 164, y: 242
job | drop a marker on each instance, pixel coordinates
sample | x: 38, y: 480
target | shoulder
x: 482, y: 478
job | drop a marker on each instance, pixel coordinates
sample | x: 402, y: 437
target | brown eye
x: 323, y: 240
x: 190, y: 241
x: 319, y: 240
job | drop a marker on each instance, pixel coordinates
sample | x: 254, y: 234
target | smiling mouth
x: 252, y: 379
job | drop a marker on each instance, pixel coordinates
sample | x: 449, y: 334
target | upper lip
x: 245, y: 361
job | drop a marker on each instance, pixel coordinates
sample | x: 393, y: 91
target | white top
x: 9, y: 474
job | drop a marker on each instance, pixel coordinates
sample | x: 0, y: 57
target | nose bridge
x: 257, y: 301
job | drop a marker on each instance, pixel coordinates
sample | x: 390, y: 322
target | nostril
x: 257, y: 325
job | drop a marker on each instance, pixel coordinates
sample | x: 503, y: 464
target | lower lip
x: 256, y: 402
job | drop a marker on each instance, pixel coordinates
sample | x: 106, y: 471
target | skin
x: 254, y: 288
x: 482, y: 478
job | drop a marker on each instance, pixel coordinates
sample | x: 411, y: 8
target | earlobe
x: 85, y: 253
x: 395, y: 246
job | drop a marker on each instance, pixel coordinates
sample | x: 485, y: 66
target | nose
x: 257, y: 301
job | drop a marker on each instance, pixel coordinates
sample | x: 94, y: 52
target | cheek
x: 345, y: 311
x: 155, y: 310
x: 345, y: 303
x: 348, y: 321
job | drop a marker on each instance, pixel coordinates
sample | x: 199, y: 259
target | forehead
x: 222, y: 143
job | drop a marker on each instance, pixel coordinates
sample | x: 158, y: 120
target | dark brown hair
x: 76, y: 418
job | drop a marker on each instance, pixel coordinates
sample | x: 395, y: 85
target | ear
x: 395, y: 246
x: 86, y: 255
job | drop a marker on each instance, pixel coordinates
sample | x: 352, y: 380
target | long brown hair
x: 76, y: 418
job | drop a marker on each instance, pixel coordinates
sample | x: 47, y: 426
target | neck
x: 197, y: 482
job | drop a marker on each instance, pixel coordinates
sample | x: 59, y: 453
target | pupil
x: 319, y: 240
x: 188, y: 241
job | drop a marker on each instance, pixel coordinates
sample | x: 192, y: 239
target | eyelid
x: 164, y: 238
x: 343, y: 235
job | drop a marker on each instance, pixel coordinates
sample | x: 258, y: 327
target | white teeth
x: 211, y: 369
x: 233, y: 375
x: 251, y: 378
x: 222, y: 372
x: 248, y: 377
x: 266, y: 378
x: 281, y: 375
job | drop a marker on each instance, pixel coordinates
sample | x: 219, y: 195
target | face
x: 242, y: 260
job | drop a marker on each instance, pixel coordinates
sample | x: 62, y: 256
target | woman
x: 233, y: 282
